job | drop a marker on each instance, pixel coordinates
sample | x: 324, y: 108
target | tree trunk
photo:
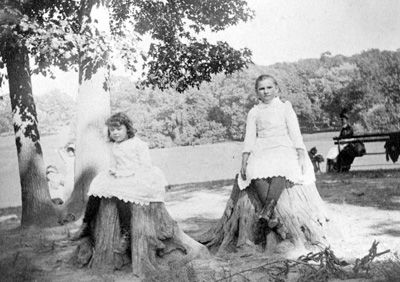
x: 158, y: 245
x: 299, y: 210
x: 37, y: 208
x: 93, y: 108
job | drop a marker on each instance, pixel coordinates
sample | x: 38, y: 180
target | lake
x: 181, y: 165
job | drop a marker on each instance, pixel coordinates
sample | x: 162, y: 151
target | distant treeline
x: 367, y: 85
x: 55, y: 109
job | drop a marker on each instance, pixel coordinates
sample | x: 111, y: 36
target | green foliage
x: 61, y: 33
x: 365, y: 84
x: 55, y: 109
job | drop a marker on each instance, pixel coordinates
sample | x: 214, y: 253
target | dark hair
x: 264, y: 77
x: 119, y: 119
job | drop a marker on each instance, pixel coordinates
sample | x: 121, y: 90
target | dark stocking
x: 270, y: 189
x: 262, y: 187
x: 125, y: 215
x: 92, y: 207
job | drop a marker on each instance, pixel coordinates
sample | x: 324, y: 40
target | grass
x: 377, y: 188
x: 388, y: 270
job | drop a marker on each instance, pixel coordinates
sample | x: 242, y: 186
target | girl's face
x: 266, y: 90
x: 118, y: 133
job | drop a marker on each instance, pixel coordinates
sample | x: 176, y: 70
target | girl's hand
x: 243, y: 171
x: 245, y: 157
x: 302, y: 160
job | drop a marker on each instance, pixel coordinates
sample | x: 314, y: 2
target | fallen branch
x: 322, y: 266
x: 251, y: 269
x: 365, y: 262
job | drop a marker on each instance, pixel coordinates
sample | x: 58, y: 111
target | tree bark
x: 107, y: 236
x: 93, y: 108
x: 157, y: 243
x: 37, y: 208
x: 300, y: 211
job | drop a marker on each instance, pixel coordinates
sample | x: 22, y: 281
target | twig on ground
x: 322, y: 266
x: 250, y: 269
x: 364, y: 263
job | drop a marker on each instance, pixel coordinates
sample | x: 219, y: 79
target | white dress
x: 272, y: 137
x: 138, y: 180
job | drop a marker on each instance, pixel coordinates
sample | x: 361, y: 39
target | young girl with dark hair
x: 131, y: 178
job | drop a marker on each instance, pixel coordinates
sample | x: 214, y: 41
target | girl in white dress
x: 276, y: 164
x: 273, y: 145
x: 131, y: 178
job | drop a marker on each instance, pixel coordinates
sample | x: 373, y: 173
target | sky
x: 289, y: 30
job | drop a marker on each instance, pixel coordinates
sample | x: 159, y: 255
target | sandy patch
x: 359, y: 226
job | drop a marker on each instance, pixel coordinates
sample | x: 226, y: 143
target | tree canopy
x: 365, y: 84
x: 55, y: 34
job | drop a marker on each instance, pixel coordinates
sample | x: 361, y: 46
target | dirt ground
x: 365, y: 206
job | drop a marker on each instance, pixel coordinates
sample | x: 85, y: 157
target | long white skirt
x: 282, y: 161
x: 145, y: 186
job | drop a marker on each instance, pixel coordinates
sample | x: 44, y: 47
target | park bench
x: 391, y: 139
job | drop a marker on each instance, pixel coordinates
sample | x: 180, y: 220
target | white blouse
x: 130, y: 155
x: 137, y: 180
x: 272, y: 139
x: 276, y: 123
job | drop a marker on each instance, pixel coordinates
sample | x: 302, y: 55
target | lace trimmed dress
x: 272, y: 137
x: 138, y: 180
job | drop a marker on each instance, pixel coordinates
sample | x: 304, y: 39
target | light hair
x: 264, y: 77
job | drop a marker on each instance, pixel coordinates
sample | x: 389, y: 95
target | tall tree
x: 16, y: 21
x: 177, y: 59
x: 54, y: 33
x: 93, y: 93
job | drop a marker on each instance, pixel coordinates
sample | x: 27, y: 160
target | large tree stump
x: 157, y: 243
x: 98, y: 249
x: 106, y: 237
x: 300, y: 211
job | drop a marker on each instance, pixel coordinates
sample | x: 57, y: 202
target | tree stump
x: 299, y: 210
x: 157, y: 243
x: 97, y: 250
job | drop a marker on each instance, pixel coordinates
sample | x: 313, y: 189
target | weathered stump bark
x: 299, y: 210
x: 157, y: 243
x: 99, y: 249
x: 106, y: 237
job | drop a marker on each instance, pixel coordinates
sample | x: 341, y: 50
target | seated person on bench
x: 342, y: 161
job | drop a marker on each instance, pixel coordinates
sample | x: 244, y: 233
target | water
x: 180, y: 164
